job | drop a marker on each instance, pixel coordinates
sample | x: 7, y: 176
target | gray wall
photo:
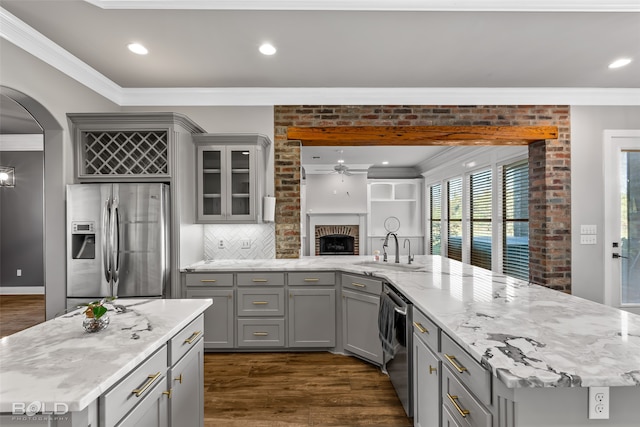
x: 21, y: 221
x: 587, y: 191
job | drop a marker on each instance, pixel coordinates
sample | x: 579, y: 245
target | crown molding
x: 382, y: 5
x: 25, y: 37
x: 377, y: 96
x: 19, y: 33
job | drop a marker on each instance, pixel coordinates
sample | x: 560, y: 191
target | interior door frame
x: 612, y: 142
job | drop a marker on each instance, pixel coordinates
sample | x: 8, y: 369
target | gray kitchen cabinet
x: 230, y: 180
x: 186, y: 385
x: 312, y: 317
x: 426, y: 371
x: 128, y: 146
x: 219, y: 317
x: 151, y: 412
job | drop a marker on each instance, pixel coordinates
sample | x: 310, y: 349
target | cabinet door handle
x: 452, y: 360
x: 193, y: 337
x: 311, y: 279
x: 150, y: 380
x: 431, y: 370
x: 358, y: 285
x: 260, y: 303
x: 259, y: 280
x: 168, y: 393
x: 179, y: 379
x: 260, y: 334
x: 208, y: 280
x: 454, y: 400
x: 421, y: 328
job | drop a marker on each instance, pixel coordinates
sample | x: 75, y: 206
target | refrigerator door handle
x: 115, y: 246
x: 106, y: 240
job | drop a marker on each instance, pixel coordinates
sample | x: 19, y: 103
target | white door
x: 622, y: 219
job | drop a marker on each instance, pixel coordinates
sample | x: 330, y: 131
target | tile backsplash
x: 261, y: 237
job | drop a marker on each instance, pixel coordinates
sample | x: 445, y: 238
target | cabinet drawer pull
x: 260, y: 303
x: 260, y: 334
x: 150, y: 380
x: 358, y: 285
x: 179, y: 379
x: 168, y: 393
x: 259, y: 280
x: 311, y: 279
x: 208, y: 280
x: 193, y: 337
x: 452, y: 360
x: 431, y: 370
x: 454, y: 400
x: 421, y: 328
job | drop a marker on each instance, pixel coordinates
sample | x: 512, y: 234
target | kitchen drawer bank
x: 126, y: 373
x: 538, y: 350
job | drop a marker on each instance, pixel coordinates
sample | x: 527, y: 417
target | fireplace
x: 337, y: 240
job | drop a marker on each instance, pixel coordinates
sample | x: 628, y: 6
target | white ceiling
x: 205, y: 52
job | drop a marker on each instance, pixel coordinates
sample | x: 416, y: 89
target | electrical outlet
x: 19, y: 272
x: 220, y: 244
x: 245, y: 243
x: 599, y: 403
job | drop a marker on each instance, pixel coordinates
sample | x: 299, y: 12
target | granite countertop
x: 527, y: 335
x: 58, y: 362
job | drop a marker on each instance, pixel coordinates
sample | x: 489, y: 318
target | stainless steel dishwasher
x: 394, y: 325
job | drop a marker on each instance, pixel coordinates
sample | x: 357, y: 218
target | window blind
x: 480, y: 216
x: 515, y: 211
x: 454, y: 219
x: 435, y: 219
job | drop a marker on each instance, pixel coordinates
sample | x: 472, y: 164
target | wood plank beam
x: 420, y: 135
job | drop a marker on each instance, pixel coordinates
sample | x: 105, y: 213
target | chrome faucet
x: 386, y: 243
x: 405, y: 244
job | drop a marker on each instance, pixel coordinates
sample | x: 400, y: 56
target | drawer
x: 426, y: 330
x: 260, y: 302
x: 260, y: 332
x: 461, y: 404
x: 466, y: 369
x: 209, y: 279
x: 363, y: 284
x: 258, y: 278
x: 184, y: 340
x: 312, y: 278
x: 132, y: 390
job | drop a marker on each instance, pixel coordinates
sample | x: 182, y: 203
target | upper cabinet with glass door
x: 230, y: 177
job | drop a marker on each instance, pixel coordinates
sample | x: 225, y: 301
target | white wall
x: 587, y: 191
x: 332, y: 193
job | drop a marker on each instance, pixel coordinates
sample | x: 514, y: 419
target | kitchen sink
x: 392, y: 266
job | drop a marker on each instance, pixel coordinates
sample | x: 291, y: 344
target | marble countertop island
x: 527, y: 335
x: 58, y: 362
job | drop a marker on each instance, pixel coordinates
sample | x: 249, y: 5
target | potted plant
x: 96, y: 317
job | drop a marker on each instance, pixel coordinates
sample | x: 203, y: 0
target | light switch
x: 588, y: 229
x: 588, y: 239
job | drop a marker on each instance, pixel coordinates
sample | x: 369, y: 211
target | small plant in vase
x: 96, y: 317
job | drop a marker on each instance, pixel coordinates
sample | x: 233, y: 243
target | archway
x: 54, y: 201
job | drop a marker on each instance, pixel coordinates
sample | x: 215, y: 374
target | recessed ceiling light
x: 267, y: 49
x: 620, y: 63
x: 137, y: 48
x: 385, y: 163
x: 340, y: 161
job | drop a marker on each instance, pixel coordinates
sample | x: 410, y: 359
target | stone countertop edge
x: 48, y: 363
x: 527, y: 335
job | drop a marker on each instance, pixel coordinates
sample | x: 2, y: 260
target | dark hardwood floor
x: 269, y: 389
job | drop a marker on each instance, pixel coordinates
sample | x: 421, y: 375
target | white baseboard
x: 21, y: 290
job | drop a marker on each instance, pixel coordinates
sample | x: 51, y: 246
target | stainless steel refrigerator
x: 117, y: 241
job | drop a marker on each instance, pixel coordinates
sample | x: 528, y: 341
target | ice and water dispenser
x: 83, y: 240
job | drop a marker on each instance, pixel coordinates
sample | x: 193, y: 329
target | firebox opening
x: 337, y: 244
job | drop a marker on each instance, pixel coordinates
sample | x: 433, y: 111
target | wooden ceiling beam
x: 420, y: 135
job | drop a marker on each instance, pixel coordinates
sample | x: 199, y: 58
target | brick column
x: 287, y: 192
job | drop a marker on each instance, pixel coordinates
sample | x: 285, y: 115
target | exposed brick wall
x: 549, y: 203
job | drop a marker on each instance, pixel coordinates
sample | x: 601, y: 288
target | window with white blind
x: 515, y: 211
x: 454, y: 219
x: 435, y: 219
x: 480, y: 209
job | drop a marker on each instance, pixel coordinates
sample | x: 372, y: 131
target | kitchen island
x: 57, y: 374
x: 543, y: 349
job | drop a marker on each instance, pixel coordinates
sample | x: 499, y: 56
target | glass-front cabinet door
x: 211, y: 183
x: 241, y: 183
